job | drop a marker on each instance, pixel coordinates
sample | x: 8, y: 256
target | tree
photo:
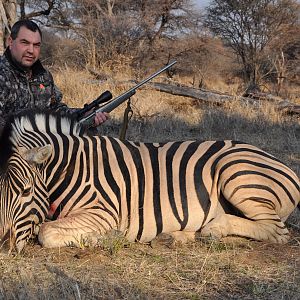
x: 98, y: 33
x: 113, y: 29
x: 8, y: 14
x: 284, y: 54
x: 8, y: 9
x: 250, y: 27
x: 36, y: 8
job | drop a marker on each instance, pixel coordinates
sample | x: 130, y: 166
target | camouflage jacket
x: 19, y: 91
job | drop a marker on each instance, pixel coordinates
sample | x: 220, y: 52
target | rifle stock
x: 112, y: 104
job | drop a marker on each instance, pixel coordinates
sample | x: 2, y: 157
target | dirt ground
x: 234, y: 268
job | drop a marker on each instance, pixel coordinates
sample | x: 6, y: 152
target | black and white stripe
x: 88, y: 185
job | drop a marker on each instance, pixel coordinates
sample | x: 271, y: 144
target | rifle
x: 112, y: 104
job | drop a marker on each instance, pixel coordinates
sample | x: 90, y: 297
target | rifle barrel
x: 112, y: 104
x: 154, y: 75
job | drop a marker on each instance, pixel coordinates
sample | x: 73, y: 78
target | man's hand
x: 100, y: 118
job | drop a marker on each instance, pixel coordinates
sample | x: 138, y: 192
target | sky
x: 202, y: 3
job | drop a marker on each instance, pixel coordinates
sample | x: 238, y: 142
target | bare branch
x: 44, y: 12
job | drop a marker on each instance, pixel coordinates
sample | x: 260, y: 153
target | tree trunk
x: 211, y: 97
x: 8, y: 15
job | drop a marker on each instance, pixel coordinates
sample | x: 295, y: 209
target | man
x: 24, y: 82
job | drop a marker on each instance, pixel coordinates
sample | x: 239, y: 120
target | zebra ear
x: 37, y: 155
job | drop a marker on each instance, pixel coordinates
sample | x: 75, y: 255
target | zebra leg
x: 263, y: 230
x: 75, y: 230
x: 169, y: 239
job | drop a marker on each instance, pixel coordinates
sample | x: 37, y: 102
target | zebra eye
x: 26, y: 192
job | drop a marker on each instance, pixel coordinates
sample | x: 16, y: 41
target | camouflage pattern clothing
x: 21, y: 90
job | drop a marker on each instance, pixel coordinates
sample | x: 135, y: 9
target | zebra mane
x: 36, y: 121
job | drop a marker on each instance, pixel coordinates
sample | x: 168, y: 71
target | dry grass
x: 160, y: 117
x: 231, y: 269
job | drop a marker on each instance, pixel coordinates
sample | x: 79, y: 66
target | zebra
x: 65, y: 185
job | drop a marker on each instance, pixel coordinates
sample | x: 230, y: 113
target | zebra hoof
x: 213, y: 234
x: 163, y: 239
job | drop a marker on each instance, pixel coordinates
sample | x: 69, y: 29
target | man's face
x: 25, y: 49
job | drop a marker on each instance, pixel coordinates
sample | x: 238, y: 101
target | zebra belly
x: 162, y: 191
x: 147, y: 222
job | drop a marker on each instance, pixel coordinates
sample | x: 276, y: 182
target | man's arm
x: 6, y: 97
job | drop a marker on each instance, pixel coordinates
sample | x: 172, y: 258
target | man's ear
x: 9, y: 41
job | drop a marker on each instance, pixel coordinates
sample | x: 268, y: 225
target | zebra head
x: 23, y: 196
x: 26, y: 153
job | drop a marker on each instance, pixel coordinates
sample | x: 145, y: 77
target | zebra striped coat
x: 86, y: 186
